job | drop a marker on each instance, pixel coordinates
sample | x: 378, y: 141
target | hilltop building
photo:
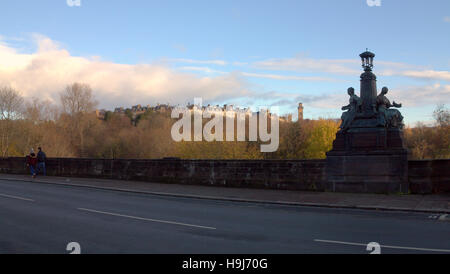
x: 166, y: 108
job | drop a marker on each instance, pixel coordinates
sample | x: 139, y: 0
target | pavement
x: 53, y: 215
x: 431, y: 203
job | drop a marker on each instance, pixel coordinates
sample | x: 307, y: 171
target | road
x: 44, y: 218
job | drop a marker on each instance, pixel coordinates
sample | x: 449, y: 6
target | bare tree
x: 11, y: 103
x: 78, y: 103
x: 11, y: 106
x: 77, y: 98
x: 442, y: 115
x: 37, y: 110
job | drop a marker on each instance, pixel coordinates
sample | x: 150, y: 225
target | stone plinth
x: 368, y: 140
x: 368, y: 160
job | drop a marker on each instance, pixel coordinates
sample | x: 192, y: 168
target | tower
x: 300, y: 111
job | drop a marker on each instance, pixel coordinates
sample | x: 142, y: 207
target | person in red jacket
x: 32, y: 162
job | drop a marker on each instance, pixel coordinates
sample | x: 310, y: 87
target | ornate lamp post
x: 368, y: 84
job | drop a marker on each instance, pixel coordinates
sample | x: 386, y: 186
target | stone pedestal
x: 368, y: 160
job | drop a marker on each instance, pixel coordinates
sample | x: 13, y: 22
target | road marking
x: 145, y: 219
x: 385, y: 246
x: 16, y: 197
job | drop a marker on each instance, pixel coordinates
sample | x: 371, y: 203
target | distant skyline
x: 246, y: 53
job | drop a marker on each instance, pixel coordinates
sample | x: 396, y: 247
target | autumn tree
x: 77, y: 98
x: 432, y: 141
x: 441, y: 139
x: 78, y: 105
x: 11, y: 108
x: 418, y: 141
x: 321, y: 139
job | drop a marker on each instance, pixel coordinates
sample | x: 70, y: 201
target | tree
x: 293, y: 140
x: 38, y: 111
x: 11, y: 103
x: 321, y: 139
x: 441, y: 140
x: 11, y: 107
x: 418, y: 140
x: 78, y: 105
x: 442, y: 115
x: 77, y: 98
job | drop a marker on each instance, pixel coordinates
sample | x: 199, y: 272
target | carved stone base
x: 371, y: 160
x: 369, y: 139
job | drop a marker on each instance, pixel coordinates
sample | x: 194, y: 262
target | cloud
x: 447, y: 19
x: 236, y: 63
x: 324, y: 100
x: 304, y: 64
x: 346, y: 67
x: 45, y: 72
x: 416, y: 96
x: 409, y: 96
x: 427, y: 74
x: 204, y: 62
x: 287, y: 77
x: 73, y: 3
x: 206, y: 70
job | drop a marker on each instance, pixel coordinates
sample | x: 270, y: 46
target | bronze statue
x: 352, y: 108
x: 388, y: 117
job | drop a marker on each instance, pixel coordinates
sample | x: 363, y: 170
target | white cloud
x: 428, y: 74
x: 202, y: 69
x: 236, y: 63
x: 349, y: 67
x: 204, y: 62
x: 409, y: 96
x: 374, y: 3
x: 442, y: 75
x: 286, y: 77
x: 73, y: 3
x: 45, y: 72
x: 416, y: 96
x: 304, y: 64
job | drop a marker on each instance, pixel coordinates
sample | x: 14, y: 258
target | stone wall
x: 292, y: 175
x: 425, y: 176
x: 429, y: 176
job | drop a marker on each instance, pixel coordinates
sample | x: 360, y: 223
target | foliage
x: 72, y: 129
x: 430, y: 142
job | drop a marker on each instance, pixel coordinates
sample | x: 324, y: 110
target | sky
x: 241, y: 52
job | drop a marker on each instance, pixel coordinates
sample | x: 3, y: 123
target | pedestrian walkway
x: 436, y: 203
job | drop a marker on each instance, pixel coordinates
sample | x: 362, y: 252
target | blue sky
x: 242, y: 52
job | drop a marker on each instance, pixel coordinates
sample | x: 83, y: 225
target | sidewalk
x: 417, y: 203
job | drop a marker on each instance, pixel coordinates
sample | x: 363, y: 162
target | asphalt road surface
x: 45, y: 218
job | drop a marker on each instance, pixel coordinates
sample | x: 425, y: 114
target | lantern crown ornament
x: 367, y: 60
